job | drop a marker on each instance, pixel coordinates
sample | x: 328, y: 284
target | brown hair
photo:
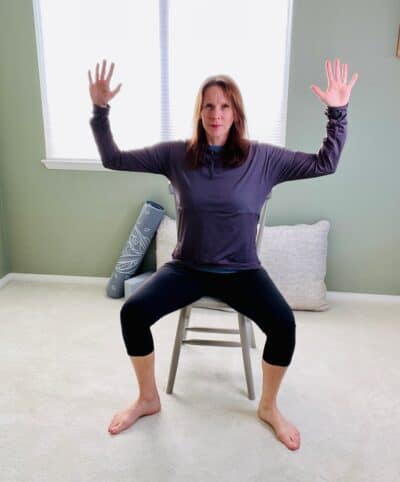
x: 236, y: 147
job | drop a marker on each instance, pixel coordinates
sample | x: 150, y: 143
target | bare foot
x: 284, y: 430
x: 125, y: 418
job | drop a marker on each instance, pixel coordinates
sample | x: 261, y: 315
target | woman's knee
x: 281, y: 340
x: 279, y: 320
x: 135, y: 327
x: 286, y: 322
x: 133, y: 309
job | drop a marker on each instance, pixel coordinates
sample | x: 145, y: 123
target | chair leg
x: 245, y: 342
x: 251, y: 331
x: 180, y: 333
x: 187, y: 315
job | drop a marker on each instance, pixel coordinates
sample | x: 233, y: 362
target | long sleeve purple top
x: 219, y: 207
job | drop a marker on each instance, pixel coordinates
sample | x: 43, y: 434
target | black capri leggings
x: 250, y: 292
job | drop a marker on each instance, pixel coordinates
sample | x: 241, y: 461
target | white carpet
x: 64, y: 373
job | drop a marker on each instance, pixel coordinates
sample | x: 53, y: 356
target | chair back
x: 261, y: 222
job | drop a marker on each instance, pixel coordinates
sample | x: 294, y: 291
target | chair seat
x: 212, y: 304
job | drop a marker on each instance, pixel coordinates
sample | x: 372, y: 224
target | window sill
x: 75, y: 164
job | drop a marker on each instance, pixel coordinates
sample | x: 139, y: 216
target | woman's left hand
x: 338, y: 92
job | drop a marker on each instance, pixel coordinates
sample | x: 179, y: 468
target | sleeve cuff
x: 99, y: 109
x: 336, y: 112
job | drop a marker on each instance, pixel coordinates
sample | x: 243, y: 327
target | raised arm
x: 154, y: 159
x: 286, y: 165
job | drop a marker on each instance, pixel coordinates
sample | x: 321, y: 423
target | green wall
x: 5, y: 265
x: 362, y: 199
x: 76, y: 222
x: 4, y: 259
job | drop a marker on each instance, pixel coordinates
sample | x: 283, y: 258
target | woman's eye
x: 210, y: 107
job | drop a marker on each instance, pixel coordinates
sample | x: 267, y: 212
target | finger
x: 116, y: 90
x: 353, y: 80
x: 90, y: 78
x: 103, y: 70
x: 318, y: 92
x: 329, y: 73
x: 337, y: 70
x: 344, y: 73
x: 110, y: 73
x: 97, y: 71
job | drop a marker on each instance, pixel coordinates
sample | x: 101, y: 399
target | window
x: 162, y: 51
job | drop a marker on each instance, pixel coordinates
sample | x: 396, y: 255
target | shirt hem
x: 229, y: 267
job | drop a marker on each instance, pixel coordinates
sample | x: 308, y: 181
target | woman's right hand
x: 100, y: 89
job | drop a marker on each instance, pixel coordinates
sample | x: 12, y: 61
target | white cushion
x: 294, y: 257
x: 166, y: 239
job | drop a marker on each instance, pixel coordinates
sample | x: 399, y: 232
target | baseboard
x: 103, y: 282
x: 55, y: 278
x: 5, y: 279
x: 363, y: 296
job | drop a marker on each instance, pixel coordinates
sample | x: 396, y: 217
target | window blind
x: 162, y: 51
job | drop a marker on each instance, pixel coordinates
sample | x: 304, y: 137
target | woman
x: 221, y: 180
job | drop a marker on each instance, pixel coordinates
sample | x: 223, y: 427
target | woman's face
x: 217, y: 115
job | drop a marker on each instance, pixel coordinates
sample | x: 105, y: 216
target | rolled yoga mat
x: 135, y: 248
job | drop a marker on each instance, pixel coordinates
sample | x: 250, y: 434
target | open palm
x: 100, y: 91
x: 338, y: 91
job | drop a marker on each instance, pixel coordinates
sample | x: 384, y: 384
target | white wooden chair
x: 245, y: 329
